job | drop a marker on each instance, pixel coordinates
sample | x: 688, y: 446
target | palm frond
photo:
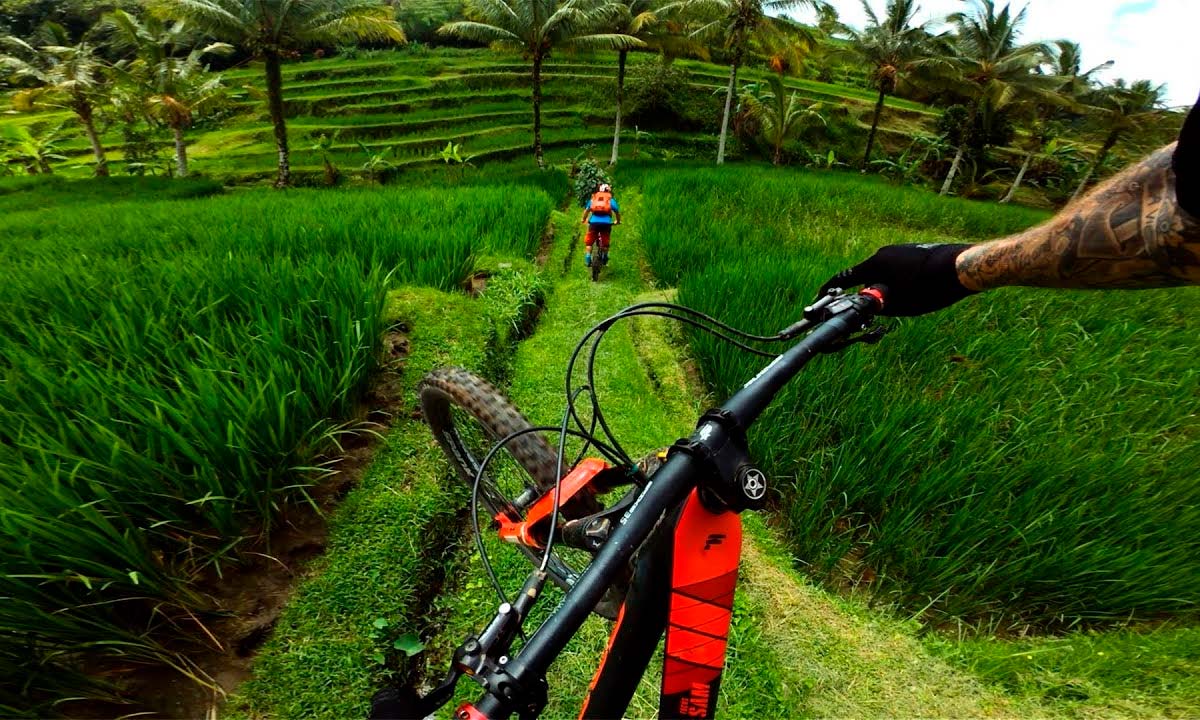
x: 495, y: 12
x: 481, y: 32
x: 642, y: 21
x: 19, y: 67
x: 361, y: 23
x: 209, y: 15
x: 17, y: 44
x: 872, y: 18
x: 782, y: 5
x: 612, y: 41
x: 217, y: 48
x: 706, y: 29
x: 125, y: 32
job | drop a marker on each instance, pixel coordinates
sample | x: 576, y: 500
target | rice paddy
x: 173, y: 380
x: 1025, y: 457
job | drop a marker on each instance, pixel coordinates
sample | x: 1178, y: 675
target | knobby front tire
x: 467, y: 415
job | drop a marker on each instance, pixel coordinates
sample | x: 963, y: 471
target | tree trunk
x: 778, y: 152
x: 1105, y: 149
x: 181, y: 168
x: 733, y: 70
x: 871, y: 136
x: 953, y: 170
x: 537, y: 109
x: 1017, y: 183
x: 620, y: 101
x: 84, y: 110
x: 275, y: 106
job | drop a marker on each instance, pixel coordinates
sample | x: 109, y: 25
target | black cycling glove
x: 1186, y: 163
x: 920, y: 278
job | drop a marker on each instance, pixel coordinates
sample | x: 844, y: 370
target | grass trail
x: 327, y: 654
x: 792, y: 645
x: 856, y: 663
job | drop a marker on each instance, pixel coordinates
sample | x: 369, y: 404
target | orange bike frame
x: 684, y: 584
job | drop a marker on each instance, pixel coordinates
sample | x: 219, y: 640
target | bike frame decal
x: 703, y: 580
x: 527, y: 532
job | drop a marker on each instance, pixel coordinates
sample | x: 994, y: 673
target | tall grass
x: 173, y: 373
x: 1025, y: 456
x: 36, y: 192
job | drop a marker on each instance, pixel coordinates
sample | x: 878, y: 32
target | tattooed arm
x: 1139, y: 230
x: 1128, y: 233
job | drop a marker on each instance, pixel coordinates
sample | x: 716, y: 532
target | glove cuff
x: 942, y: 268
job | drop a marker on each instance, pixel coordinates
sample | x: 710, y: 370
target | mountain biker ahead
x: 1141, y: 229
x: 598, y: 215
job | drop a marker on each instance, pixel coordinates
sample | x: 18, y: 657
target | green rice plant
x: 39, y: 191
x: 1027, y: 456
x: 175, y: 374
x: 1147, y: 672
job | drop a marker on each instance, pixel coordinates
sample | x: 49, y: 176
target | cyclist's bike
x: 662, y: 558
x: 599, y: 260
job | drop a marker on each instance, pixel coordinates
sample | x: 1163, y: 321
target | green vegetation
x: 391, y: 540
x: 894, y: 49
x: 535, y: 28
x: 780, y: 116
x: 267, y: 31
x: 136, y: 83
x: 992, y: 464
x: 174, y: 380
x: 636, y: 371
x: 986, y: 505
x: 71, y: 76
x: 1153, y: 673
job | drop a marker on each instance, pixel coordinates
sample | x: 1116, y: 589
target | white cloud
x: 1147, y: 39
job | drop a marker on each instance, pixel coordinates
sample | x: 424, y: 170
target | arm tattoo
x: 1128, y: 233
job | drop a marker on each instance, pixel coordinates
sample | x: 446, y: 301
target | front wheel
x: 468, y: 415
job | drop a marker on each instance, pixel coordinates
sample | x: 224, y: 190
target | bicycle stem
x: 665, y: 490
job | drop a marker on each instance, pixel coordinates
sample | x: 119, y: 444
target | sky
x: 1157, y: 40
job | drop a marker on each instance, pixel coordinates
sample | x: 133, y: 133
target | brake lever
x: 814, y: 314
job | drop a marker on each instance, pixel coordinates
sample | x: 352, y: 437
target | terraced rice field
x: 408, y: 105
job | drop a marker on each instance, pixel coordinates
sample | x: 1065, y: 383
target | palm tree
x: 1041, y: 131
x: 787, y: 50
x: 893, y: 47
x: 1040, y: 114
x: 536, y: 27
x: 640, y: 19
x: 171, y: 89
x: 737, y: 22
x: 1121, y: 110
x: 269, y: 29
x: 636, y: 19
x: 1067, y: 66
x: 70, y: 76
x: 780, y: 116
x: 990, y: 69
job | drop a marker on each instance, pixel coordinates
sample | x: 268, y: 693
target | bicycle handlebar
x: 846, y: 315
x: 836, y: 318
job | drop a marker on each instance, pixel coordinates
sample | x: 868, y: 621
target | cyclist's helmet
x: 605, y: 187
